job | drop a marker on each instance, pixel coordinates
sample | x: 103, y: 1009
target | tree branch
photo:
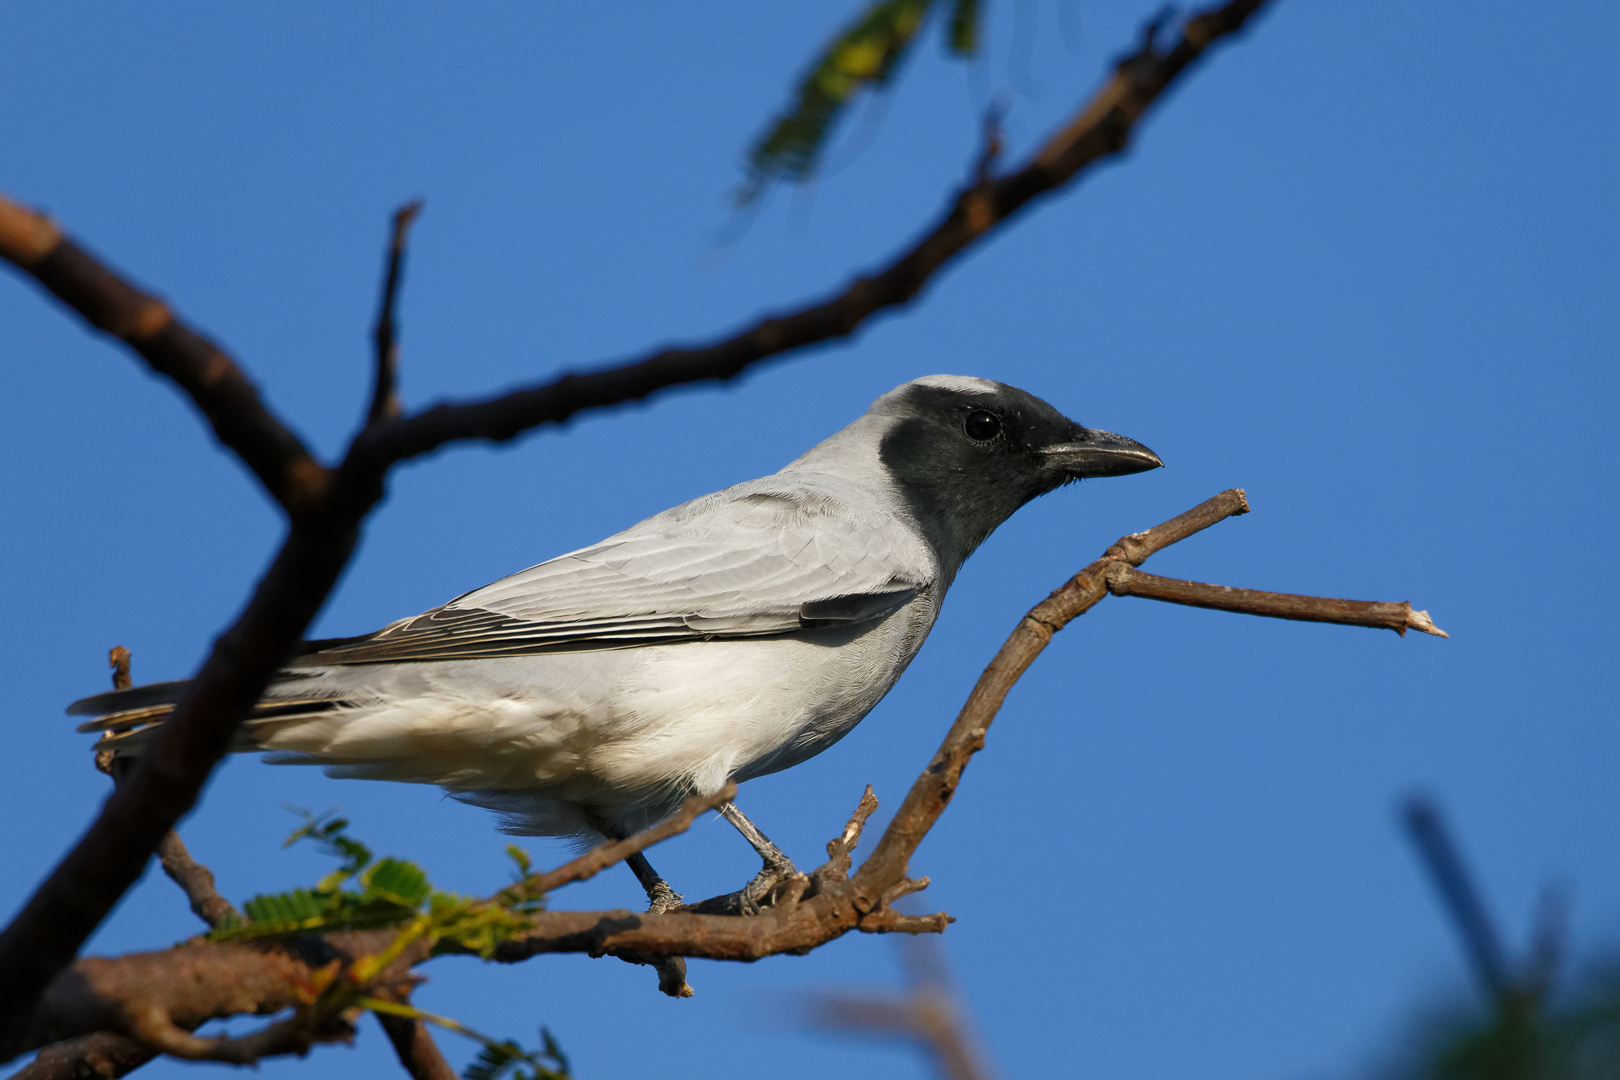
x: 385, y: 390
x: 326, y: 512
x: 194, y: 879
x: 929, y: 1014
x: 1124, y: 580
x: 99, y: 1056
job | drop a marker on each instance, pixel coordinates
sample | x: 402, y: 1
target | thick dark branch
x: 385, y: 388
x: 326, y: 513
x: 44, y: 937
x: 1101, y: 130
x: 1123, y: 580
x: 219, y: 389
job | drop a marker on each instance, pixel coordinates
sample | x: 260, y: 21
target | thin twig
x: 933, y: 789
x: 385, y: 388
x: 326, y: 512
x: 1125, y: 580
x: 194, y: 879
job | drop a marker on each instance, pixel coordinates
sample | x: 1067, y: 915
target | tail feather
x: 136, y: 697
x: 128, y: 718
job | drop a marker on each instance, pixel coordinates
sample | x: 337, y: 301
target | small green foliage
x: 498, y: 1059
x: 1574, y: 1037
x: 965, y: 27
x: 363, y: 894
x: 863, y: 56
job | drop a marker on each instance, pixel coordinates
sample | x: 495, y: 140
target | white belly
x: 615, y: 730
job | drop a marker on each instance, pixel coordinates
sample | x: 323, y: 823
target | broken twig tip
x: 1419, y: 620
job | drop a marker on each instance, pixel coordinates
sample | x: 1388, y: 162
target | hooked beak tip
x: 1102, y: 453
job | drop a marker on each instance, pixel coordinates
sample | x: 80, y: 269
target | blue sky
x: 1362, y: 264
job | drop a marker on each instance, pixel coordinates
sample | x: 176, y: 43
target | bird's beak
x: 1100, y: 453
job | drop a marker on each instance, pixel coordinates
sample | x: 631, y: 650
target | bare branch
x: 385, y: 390
x: 934, y: 788
x: 326, y: 512
x: 1124, y: 580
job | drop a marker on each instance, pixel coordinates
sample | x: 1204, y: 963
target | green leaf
x: 553, y: 1050
x: 328, y: 832
x: 494, y: 1061
x: 525, y: 865
x: 397, y: 882
x: 864, y: 55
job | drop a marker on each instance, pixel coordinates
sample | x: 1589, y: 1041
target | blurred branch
x: 1461, y: 898
x: 930, y: 1014
x: 99, y: 1056
x: 326, y: 507
x: 413, y: 1042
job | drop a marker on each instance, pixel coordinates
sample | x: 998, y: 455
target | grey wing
x: 754, y: 560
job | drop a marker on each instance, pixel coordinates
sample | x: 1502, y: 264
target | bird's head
x: 966, y: 453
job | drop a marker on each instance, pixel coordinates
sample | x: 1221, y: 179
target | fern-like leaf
x: 494, y: 1061
x: 396, y: 882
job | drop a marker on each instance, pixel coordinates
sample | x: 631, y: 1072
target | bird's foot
x: 662, y: 898
x: 777, y: 869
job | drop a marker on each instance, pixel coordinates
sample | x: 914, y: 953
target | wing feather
x: 767, y: 557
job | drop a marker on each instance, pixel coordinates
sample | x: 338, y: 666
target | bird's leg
x: 660, y: 897
x: 778, y: 867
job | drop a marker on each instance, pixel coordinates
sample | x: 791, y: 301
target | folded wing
x: 762, y: 558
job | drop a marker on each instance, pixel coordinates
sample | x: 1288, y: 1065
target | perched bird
x: 730, y: 637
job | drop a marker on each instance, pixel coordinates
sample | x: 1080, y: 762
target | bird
x: 730, y: 637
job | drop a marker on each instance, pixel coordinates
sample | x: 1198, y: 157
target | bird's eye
x: 982, y: 425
